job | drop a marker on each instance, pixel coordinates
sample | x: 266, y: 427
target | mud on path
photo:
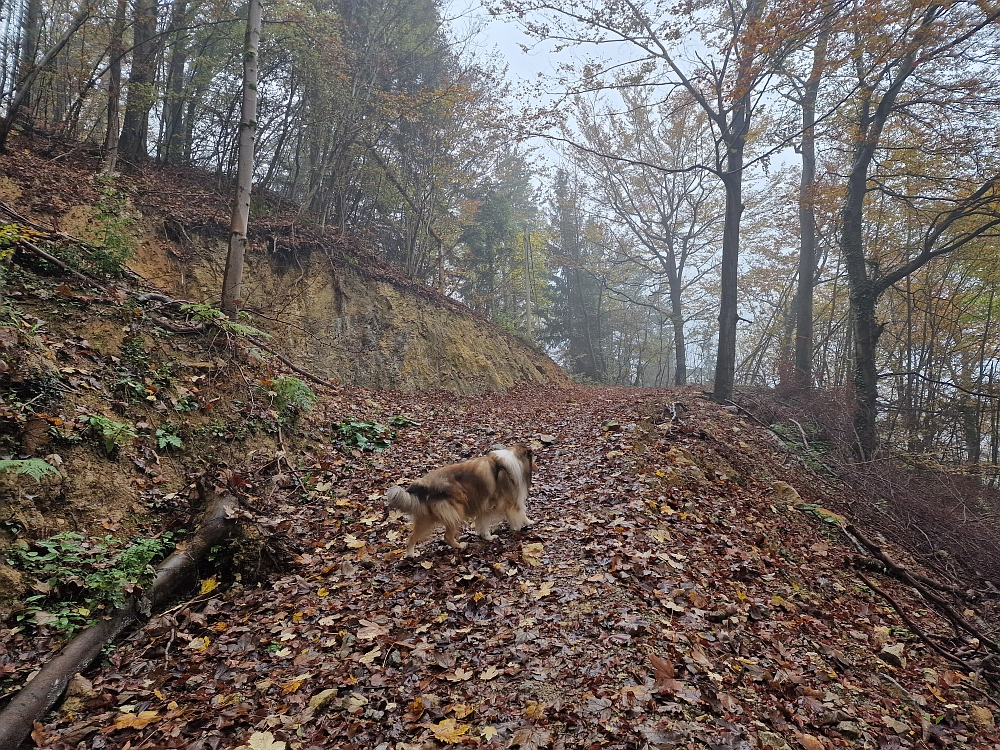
x: 664, y: 598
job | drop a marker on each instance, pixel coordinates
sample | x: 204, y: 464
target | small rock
x: 849, y: 729
x: 611, y: 426
x: 981, y: 717
x: 547, y: 439
x: 770, y: 739
x: 786, y: 493
x: 893, y: 655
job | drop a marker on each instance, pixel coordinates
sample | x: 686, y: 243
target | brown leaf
x: 663, y: 670
x: 809, y: 742
x: 530, y: 738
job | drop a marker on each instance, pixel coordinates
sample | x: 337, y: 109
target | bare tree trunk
x: 725, y: 363
x: 114, y: 90
x: 807, y: 223
x: 233, y: 281
x: 29, y: 41
x: 133, y: 144
x: 527, y: 283
x: 171, y: 149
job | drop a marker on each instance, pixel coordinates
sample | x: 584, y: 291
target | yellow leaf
x: 198, y: 644
x: 462, y: 710
x: 209, y: 585
x: 426, y: 565
x: 535, y: 710
x: 262, y: 741
x: 353, y: 542
x: 133, y: 721
x: 295, y: 683
x: 488, y: 733
x: 371, y: 655
x: 479, y: 596
x: 532, y: 554
x: 459, y: 675
x: 229, y: 700
x: 544, y: 590
x: 449, y: 731
x: 323, y: 592
x: 489, y: 673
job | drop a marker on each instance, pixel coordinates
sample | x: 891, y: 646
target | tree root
x: 173, y: 574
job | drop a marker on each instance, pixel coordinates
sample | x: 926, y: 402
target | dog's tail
x: 402, y: 500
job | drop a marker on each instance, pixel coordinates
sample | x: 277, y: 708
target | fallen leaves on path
x: 665, y: 598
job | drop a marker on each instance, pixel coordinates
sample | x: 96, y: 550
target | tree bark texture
x: 133, y: 144
x: 807, y: 223
x: 232, y: 284
x: 111, y: 137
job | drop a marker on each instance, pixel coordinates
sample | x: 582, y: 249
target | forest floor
x: 666, y: 597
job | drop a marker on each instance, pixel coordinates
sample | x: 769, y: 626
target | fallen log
x: 172, y: 575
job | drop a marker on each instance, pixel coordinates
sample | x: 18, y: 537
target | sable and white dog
x: 483, y: 490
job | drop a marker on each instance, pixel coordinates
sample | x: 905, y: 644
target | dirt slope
x: 333, y: 307
x: 666, y: 598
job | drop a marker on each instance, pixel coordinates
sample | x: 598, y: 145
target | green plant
x: 113, y: 434
x: 35, y: 468
x: 811, y: 452
x: 368, y: 436
x: 290, y: 396
x: 208, y: 314
x: 167, y: 437
x: 113, y: 229
x: 77, y: 577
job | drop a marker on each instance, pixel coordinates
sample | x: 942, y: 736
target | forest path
x: 664, y: 597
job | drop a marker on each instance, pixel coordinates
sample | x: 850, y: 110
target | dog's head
x: 526, y: 458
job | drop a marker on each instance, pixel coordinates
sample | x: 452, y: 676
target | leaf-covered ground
x: 667, y: 597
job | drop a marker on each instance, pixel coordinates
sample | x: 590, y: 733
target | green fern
x: 213, y: 316
x: 35, y: 468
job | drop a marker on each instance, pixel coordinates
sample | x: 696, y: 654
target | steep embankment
x: 335, y: 309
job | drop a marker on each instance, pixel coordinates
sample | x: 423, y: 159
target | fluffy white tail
x: 402, y: 500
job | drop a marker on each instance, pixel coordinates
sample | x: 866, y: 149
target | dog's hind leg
x: 449, y: 536
x: 422, y: 528
x: 518, y: 519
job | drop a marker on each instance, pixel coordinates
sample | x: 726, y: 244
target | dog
x: 483, y: 490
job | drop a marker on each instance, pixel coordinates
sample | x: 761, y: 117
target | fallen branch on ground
x: 173, y: 574
x: 924, y: 586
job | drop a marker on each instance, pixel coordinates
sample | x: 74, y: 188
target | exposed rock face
x: 336, y: 321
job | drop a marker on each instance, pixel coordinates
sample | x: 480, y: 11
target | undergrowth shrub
x: 35, y: 468
x: 113, y: 229
x: 80, y: 579
x: 289, y: 396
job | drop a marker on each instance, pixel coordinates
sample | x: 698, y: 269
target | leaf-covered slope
x: 666, y: 596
